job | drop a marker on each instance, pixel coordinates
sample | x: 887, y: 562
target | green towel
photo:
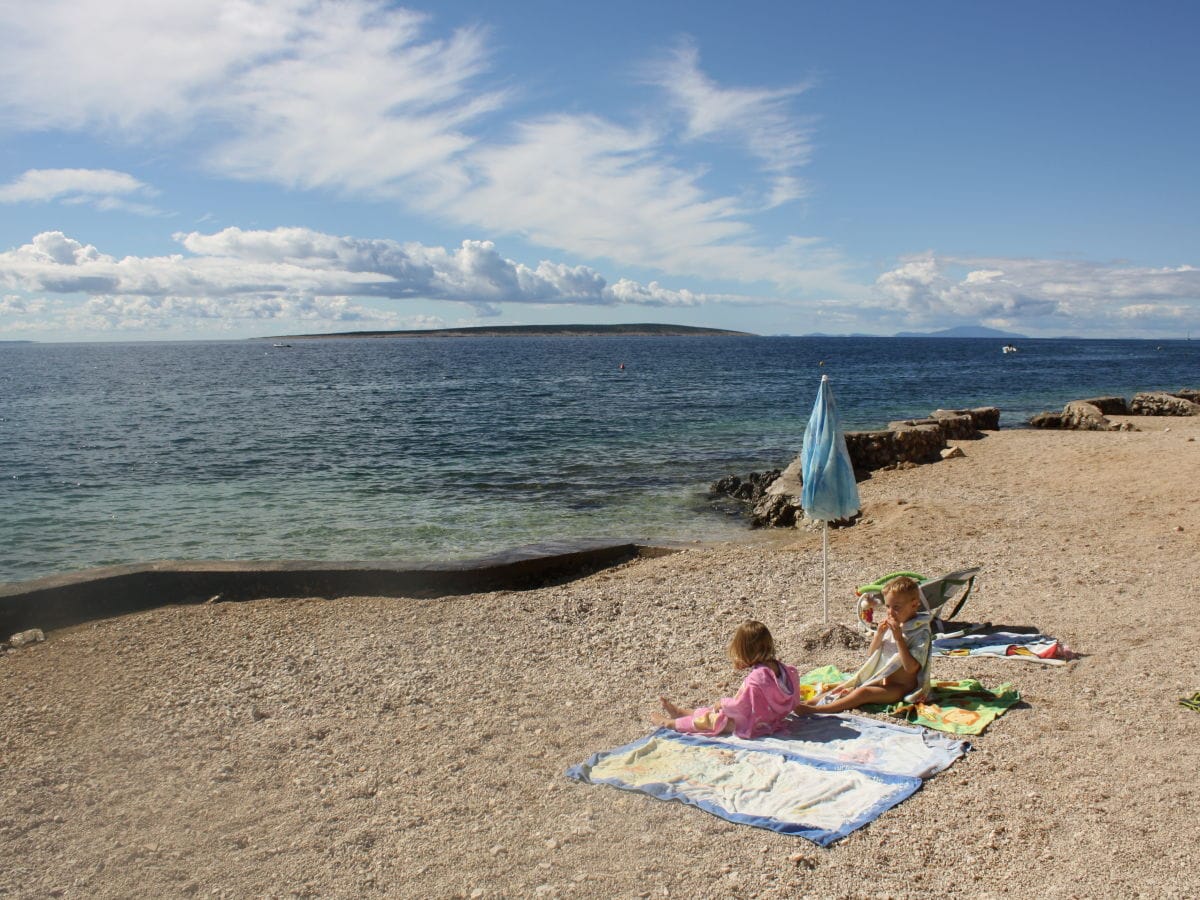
x: 1192, y: 702
x: 959, y: 707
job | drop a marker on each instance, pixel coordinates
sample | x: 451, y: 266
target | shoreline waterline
x: 416, y: 450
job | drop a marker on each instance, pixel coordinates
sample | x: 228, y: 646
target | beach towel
x: 847, y: 738
x: 1192, y: 702
x: 956, y: 707
x: 839, y: 771
x: 769, y: 788
x: 1036, y: 648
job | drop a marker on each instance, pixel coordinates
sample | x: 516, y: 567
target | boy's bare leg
x: 860, y: 696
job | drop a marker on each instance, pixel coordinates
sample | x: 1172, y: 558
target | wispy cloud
x: 758, y: 120
x: 101, y: 188
x: 1082, y: 295
x: 361, y: 98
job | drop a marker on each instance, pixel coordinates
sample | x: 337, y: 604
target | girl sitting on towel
x: 897, y: 665
x: 762, y: 703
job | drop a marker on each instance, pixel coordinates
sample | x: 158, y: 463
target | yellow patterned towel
x: 957, y: 707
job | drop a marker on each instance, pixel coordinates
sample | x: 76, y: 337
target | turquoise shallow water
x: 416, y: 450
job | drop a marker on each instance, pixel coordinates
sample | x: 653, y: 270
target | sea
x: 427, y: 450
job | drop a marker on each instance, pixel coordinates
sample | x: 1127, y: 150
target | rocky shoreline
x: 771, y: 499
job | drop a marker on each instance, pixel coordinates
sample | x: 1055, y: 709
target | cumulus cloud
x: 13, y: 304
x: 930, y: 287
x: 102, y: 188
x: 301, y: 273
x: 406, y: 115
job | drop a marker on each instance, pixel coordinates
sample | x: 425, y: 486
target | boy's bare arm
x: 877, y: 640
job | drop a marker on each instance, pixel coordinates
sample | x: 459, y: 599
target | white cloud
x: 358, y: 97
x: 757, y: 119
x: 300, y: 273
x: 1085, y: 295
x: 13, y: 304
x: 102, y: 188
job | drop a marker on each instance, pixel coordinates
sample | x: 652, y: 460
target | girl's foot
x: 662, y: 721
x: 672, y: 710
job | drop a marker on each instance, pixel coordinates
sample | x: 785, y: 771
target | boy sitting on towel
x: 897, y: 665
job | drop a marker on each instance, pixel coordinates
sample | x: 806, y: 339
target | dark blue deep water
x: 433, y: 449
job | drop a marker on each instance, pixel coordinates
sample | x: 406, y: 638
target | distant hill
x: 526, y: 331
x: 963, y: 331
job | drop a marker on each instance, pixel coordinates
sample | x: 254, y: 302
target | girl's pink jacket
x: 759, y: 708
x: 761, y: 704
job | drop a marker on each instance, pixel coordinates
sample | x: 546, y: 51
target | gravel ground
x: 415, y: 748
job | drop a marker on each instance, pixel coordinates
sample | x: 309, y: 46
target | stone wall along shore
x: 1092, y: 414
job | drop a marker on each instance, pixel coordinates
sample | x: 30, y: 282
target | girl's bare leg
x: 672, y: 710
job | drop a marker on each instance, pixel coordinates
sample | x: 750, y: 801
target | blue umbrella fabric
x: 829, y: 491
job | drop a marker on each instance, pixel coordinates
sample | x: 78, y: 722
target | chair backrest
x: 937, y: 592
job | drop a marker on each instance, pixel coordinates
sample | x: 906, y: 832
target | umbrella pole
x: 825, y: 573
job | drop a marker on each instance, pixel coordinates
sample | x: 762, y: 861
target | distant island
x: 638, y: 330
x: 964, y: 331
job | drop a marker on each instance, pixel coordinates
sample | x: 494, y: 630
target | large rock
x: 1188, y: 394
x: 1159, y: 403
x: 778, y: 511
x: 1080, y: 415
x: 1046, y: 420
x: 32, y: 636
x: 789, y: 483
x: 1109, y: 406
x: 750, y: 489
x: 779, y: 505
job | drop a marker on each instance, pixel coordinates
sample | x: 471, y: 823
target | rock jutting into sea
x: 773, y: 498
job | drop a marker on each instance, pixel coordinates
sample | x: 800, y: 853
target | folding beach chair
x: 936, y: 593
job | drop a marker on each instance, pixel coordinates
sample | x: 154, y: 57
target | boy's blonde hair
x: 751, y: 643
x: 902, y: 585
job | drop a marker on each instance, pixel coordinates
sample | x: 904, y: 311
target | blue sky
x: 233, y: 168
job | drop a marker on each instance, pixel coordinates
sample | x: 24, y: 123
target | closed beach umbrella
x: 829, y: 489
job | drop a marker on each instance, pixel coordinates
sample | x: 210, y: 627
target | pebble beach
x: 387, y: 747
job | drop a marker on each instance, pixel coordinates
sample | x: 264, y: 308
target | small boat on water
x: 281, y: 345
x: 1008, y: 348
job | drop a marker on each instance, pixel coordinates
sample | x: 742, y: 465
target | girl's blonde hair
x: 752, y: 643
